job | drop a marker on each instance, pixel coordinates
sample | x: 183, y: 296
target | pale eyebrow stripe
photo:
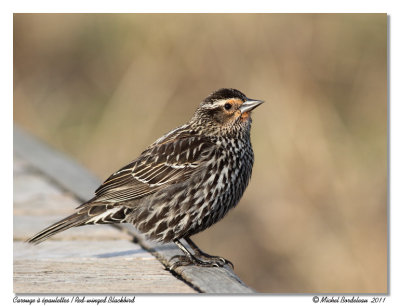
x: 221, y: 102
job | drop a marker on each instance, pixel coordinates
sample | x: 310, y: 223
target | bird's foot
x: 199, y: 258
x: 182, y: 260
x: 217, y: 259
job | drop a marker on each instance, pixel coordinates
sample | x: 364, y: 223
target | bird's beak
x: 249, y: 105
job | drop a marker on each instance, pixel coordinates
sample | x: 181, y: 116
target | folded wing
x: 164, y: 163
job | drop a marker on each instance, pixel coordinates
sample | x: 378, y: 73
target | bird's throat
x: 245, y: 117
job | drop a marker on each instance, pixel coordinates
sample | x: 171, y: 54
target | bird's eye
x: 228, y: 106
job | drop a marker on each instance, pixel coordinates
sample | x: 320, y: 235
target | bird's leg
x: 220, y: 261
x: 190, y: 259
x: 182, y: 260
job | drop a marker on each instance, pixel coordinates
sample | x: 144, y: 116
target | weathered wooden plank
x: 205, y: 279
x: 81, y: 183
x: 35, y: 194
x: 100, y: 276
x: 67, y: 172
x: 76, y: 251
x: 26, y: 226
x: 95, y: 267
x: 39, y: 202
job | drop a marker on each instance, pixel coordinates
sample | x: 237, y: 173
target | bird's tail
x: 88, y: 213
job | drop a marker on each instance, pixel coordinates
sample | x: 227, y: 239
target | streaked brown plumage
x: 181, y: 184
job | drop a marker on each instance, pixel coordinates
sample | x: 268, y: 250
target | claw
x: 181, y: 261
x: 176, y: 256
x: 230, y: 264
x: 185, y: 261
x: 199, y: 258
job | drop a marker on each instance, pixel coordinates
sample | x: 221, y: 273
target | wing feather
x: 166, y: 162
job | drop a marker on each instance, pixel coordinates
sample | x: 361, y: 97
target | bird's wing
x: 166, y: 162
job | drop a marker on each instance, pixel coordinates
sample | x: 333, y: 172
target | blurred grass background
x: 102, y: 87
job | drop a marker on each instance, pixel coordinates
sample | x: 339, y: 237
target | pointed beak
x: 249, y: 105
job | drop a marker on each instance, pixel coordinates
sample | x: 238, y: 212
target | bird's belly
x: 227, y: 194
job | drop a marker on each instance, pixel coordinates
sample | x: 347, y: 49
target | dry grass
x: 314, y: 218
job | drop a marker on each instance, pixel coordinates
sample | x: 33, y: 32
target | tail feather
x: 71, y: 221
x: 91, y: 213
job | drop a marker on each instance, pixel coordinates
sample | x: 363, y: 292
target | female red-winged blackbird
x: 183, y: 183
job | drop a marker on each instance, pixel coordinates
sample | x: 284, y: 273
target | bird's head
x: 226, y: 110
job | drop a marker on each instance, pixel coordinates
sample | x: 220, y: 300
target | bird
x: 183, y: 183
